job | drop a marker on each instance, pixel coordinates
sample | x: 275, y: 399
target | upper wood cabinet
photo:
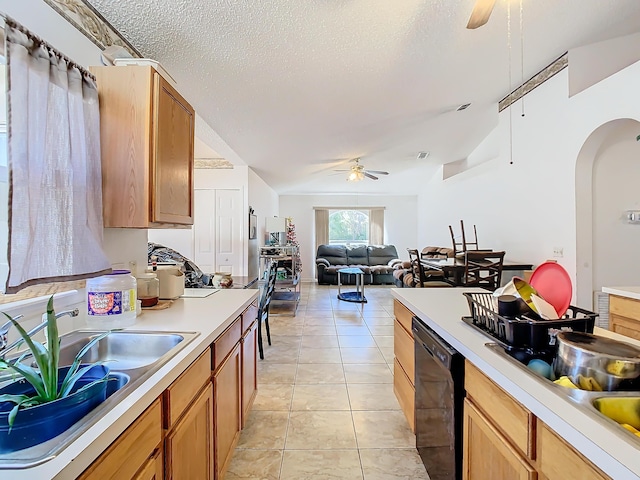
x: 147, y: 138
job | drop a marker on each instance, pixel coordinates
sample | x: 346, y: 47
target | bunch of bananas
x: 624, y: 410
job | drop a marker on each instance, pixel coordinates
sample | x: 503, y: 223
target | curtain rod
x: 356, y: 207
x: 39, y: 41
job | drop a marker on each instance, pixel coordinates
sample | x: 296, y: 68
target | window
x: 349, y: 227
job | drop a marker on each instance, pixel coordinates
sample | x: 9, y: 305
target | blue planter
x: 40, y: 423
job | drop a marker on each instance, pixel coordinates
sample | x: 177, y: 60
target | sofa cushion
x: 335, y: 254
x: 381, y: 254
x: 357, y: 256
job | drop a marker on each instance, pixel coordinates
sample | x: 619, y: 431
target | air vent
x: 462, y: 107
x: 422, y: 155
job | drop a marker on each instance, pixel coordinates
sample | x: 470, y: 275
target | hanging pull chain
x: 509, y: 89
x: 522, y: 56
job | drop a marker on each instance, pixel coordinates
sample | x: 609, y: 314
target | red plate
x: 553, y: 284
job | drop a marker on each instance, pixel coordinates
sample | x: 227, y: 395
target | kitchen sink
x: 582, y: 399
x: 132, y: 356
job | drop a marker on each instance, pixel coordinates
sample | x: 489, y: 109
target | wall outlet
x: 558, y: 252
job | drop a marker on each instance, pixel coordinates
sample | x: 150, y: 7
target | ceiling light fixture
x: 355, y: 175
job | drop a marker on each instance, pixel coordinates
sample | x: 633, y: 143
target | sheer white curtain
x: 322, y: 226
x: 55, y: 181
x: 376, y: 226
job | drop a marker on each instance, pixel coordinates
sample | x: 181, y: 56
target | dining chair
x: 265, y: 302
x: 462, y: 245
x: 483, y: 269
x: 422, y: 277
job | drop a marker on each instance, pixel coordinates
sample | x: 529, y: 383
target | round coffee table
x: 358, y: 295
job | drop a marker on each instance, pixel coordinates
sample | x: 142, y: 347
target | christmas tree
x: 292, y: 240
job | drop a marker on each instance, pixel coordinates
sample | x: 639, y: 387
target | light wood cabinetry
x: 249, y: 345
x: 404, y: 362
x: 557, y: 460
x: 502, y: 439
x: 227, y: 409
x: 189, y: 445
x: 153, y: 469
x: 487, y: 453
x: 132, y: 450
x: 624, y: 316
x: 147, y: 141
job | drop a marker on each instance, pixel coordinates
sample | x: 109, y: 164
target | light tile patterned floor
x: 325, y: 407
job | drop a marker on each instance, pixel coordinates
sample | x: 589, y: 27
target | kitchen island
x: 210, y: 317
x: 609, y: 447
x: 624, y: 310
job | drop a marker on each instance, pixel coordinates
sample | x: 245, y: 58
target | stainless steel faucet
x: 4, y: 330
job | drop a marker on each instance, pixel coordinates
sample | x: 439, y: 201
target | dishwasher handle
x: 433, y: 344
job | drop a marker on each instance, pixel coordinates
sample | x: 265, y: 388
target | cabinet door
x: 558, y: 460
x: 130, y: 452
x: 249, y: 370
x: 172, y: 162
x: 227, y: 409
x: 487, y: 454
x: 189, y: 446
x: 153, y: 469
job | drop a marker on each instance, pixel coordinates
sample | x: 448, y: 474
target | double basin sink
x: 583, y: 399
x: 132, y: 357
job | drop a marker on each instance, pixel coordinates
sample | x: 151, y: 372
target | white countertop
x: 208, y: 316
x: 629, y: 292
x: 607, y: 446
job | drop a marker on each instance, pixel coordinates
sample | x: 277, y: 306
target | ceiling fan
x: 357, y: 172
x: 481, y: 13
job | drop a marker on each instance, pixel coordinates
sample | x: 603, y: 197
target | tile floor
x: 325, y: 407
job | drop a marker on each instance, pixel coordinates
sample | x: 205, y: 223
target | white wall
x: 616, y: 181
x: 529, y: 207
x: 264, y: 201
x: 400, y: 215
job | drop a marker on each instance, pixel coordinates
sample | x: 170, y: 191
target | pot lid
x: 601, y: 345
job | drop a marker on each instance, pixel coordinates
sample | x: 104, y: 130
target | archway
x: 614, y: 140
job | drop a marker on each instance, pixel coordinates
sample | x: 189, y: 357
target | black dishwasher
x: 439, y: 383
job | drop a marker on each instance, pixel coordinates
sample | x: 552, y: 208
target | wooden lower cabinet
x: 153, y: 469
x: 131, y: 450
x: 249, y: 345
x: 624, y: 316
x: 227, y: 392
x: 404, y: 362
x: 189, y: 445
x: 557, y: 460
x: 487, y: 454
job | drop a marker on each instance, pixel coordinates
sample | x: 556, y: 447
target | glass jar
x: 148, y: 289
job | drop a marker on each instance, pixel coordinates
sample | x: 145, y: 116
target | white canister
x: 112, y: 300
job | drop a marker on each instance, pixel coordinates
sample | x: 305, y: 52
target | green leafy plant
x: 45, y: 378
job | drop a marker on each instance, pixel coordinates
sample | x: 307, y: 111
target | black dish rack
x: 524, y: 332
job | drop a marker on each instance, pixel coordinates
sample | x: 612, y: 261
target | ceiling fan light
x: 355, y: 176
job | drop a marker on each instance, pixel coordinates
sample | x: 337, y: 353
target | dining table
x: 453, y: 268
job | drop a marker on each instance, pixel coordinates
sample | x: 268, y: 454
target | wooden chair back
x: 483, y: 269
x: 420, y: 275
x: 463, y: 245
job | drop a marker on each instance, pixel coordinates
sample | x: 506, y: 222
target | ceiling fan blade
x: 378, y: 172
x: 481, y: 13
x: 368, y: 175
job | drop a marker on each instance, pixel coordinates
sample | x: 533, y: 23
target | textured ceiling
x: 295, y: 86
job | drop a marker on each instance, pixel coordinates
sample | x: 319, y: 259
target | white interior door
x: 228, y: 236
x: 204, y: 222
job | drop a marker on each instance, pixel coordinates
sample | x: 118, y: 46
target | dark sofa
x: 376, y: 261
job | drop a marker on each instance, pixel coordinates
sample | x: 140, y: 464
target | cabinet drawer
x: 405, y: 393
x: 625, y: 307
x: 403, y: 315
x: 181, y: 392
x: 404, y: 350
x: 558, y: 460
x: 225, y: 342
x: 249, y: 316
x: 624, y: 326
x: 511, y: 418
x: 131, y: 450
